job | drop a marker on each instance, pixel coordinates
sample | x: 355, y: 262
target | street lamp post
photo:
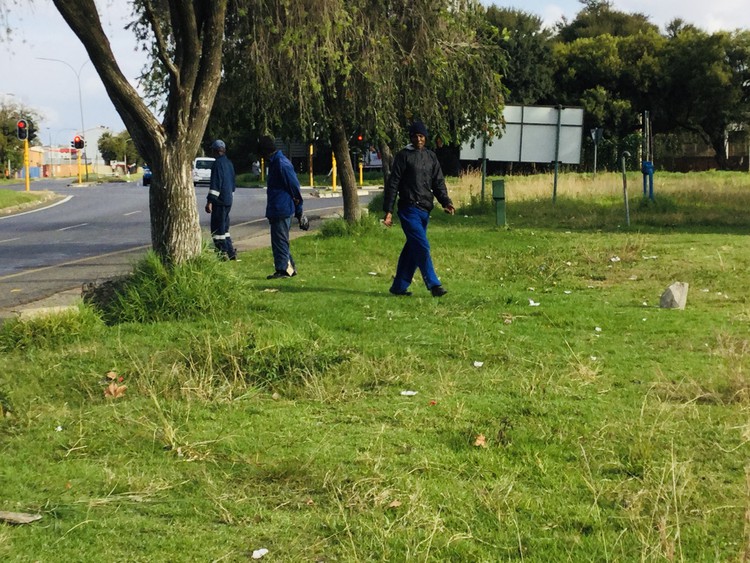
x: 80, y: 100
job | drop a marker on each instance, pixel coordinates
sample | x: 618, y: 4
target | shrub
x: 156, y: 292
x: 49, y: 331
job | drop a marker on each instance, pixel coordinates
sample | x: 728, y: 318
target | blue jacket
x: 221, y: 188
x: 284, y: 195
x: 417, y: 179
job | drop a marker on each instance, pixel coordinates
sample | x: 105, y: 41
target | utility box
x: 498, y: 194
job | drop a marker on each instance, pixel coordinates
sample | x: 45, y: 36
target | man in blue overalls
x: 219, y: 200
x: 284, y: 201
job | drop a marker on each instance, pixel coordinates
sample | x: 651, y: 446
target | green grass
x: 614, y: 430
x: 11, y: 199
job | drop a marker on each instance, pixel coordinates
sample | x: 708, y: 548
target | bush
x: 156, y: 292
x: 340, y: 228
x: 49, y: 331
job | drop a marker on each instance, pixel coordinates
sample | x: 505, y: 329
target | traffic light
x: 78, y: 142
x: 22, y: 129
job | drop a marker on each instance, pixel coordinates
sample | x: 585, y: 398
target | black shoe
x: 404, y: 293
x: 438, y: 291
x: 277, y: 275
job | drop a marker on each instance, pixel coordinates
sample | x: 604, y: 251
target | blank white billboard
x: 531, y: 135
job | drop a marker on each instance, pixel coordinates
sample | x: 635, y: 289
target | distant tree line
x: 617, y: 65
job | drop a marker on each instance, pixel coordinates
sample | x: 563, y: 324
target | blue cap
x: 417, y: 128
x: 218, y: 144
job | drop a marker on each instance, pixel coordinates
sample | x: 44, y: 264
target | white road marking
x: 66, y: 200
x: 72, y: 227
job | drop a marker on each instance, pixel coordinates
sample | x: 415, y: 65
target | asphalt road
x: 92, y: 233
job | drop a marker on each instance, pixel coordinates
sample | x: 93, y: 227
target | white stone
x: 675, y: 296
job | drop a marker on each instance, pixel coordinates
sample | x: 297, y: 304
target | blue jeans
x: 220, y: 230
x: 282, y: 257
x: 416, y: 251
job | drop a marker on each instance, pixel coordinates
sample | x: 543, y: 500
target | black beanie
x: 417, y: 128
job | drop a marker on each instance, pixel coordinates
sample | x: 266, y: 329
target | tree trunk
x: 387, y: 158
x: 190, y: 54
x: 175, y: 226
x: 718, y: 143
x: 352, y: 211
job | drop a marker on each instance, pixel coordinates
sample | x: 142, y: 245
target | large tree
x: 706, y: 85
x: 334, y: 68
x: 187, y: 43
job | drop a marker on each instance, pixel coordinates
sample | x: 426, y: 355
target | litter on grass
x: 408, y: 393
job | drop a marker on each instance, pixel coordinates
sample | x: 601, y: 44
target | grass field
x: 555, y: 413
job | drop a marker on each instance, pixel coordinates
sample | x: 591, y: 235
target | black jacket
x: 416, y: 177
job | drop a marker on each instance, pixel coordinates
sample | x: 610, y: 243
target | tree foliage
x: 118, y: 147
x: 599, y: 18
x: 11, y: 148
x: 528, y: 74
x: 707, y: 86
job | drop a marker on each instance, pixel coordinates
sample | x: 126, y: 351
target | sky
x: 50, y: 88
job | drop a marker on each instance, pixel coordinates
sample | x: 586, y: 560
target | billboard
x: 541, y: 134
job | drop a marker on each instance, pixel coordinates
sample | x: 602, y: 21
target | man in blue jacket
x: 284, y: 202
x: 417, y: 179
x: 219, y: 200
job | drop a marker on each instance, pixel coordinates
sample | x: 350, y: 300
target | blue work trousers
x: 416, y: 251
x: 220, y: 230
x: 282, y: 257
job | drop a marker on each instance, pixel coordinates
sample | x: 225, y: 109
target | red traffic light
x: 22, y: 129
x: 359, y: 138
x: 78, y: 142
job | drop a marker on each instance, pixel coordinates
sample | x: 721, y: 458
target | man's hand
x: 208, y: 207
x: 388, y: 219
x: 449, y: 209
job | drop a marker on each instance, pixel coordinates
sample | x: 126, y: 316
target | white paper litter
x: 478, y: 364
x: 533, y: 303
x: 258, y: 553
x: 408, y: 393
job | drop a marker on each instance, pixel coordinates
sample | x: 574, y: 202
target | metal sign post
x: 596, y: 136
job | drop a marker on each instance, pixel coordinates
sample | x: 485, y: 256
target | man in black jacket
x: 417, y: 179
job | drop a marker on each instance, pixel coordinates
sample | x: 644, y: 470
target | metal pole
x: 310, y: 166
x: 595, y: 146
x: 557, y: 152
x: 484, y: 163
x: 625, y: 155
x: 26, y: 162
x: 80, y: 97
